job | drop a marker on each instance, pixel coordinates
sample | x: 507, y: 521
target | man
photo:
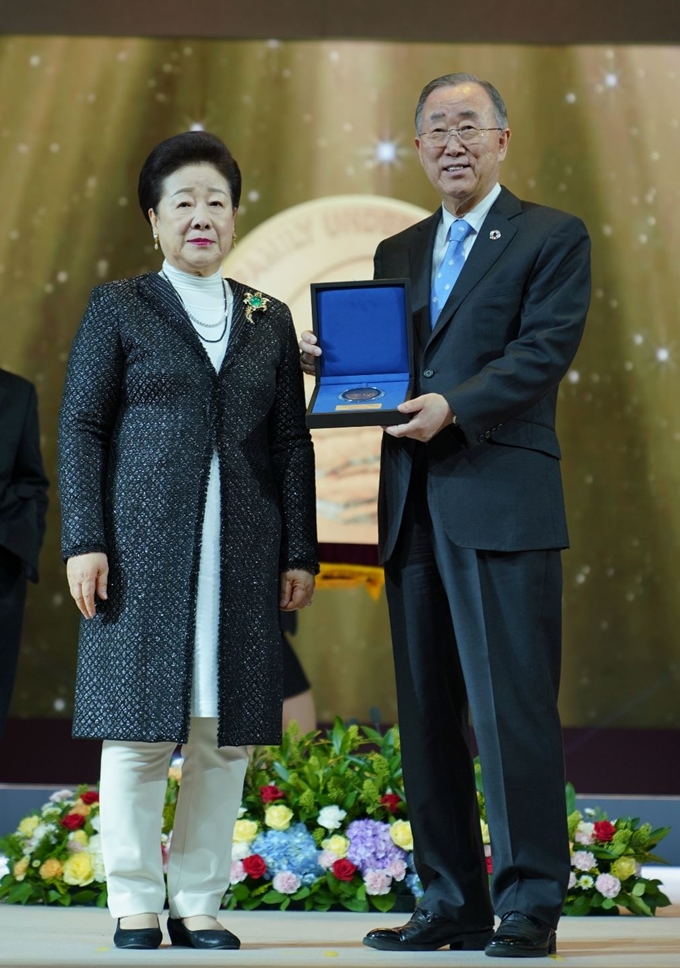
x: 23, y: 502
x: 471, y: 519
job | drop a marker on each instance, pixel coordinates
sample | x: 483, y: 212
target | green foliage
x: 350, y: 769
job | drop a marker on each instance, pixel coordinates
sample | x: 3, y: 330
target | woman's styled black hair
x: 188, y: 148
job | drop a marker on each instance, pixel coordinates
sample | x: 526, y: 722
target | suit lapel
x: 487, y: 249
x: 160, y: 294
x: 420, y: 273
x: 240, y: 327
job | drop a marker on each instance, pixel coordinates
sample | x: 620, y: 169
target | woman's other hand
x: 297, y: 588
x: 308, y: 350
x: 88, y: 575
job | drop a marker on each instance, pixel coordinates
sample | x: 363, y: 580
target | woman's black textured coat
x: 143, y: 409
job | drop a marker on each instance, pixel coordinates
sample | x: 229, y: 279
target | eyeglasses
x: 466, y: 134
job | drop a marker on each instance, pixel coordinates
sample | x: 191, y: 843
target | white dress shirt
x: 474, y: 218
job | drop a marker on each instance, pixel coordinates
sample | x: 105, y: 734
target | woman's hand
x: 297, y: 588
x: 87, y: 575
x: 308, y: 350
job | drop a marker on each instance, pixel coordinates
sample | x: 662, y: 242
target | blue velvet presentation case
x: 366, y: 369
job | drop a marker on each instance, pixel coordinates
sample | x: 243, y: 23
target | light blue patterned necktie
x: 449, y: 269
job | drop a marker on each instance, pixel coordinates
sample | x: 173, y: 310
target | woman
x: 187, y: 490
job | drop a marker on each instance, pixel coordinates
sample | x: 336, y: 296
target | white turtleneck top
x: 203, y: 297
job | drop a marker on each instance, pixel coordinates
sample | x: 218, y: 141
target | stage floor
x: 81, y: 938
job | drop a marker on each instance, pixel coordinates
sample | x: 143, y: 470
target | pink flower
x: 237, y: 873
x: 327, y: 858
x: 583, y: 860
x: 165, y: 851
x: 377, y: 882
x: 584, y: 834
x: 572, y: 881
x: 286, y: 882
x: 608, y: 885
x: 397, y: 870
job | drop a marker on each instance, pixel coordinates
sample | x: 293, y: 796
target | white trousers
x: 132, y: 793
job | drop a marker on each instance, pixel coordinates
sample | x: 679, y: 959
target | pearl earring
x: 155, y: 241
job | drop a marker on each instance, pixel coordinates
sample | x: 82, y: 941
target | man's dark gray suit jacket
x: 505, y: 338
x: 23, y: 485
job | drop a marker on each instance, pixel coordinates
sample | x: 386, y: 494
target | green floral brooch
x: 255, y: 302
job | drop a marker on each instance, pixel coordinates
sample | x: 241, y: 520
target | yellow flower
x: 20, y: 868
x: 623, y: 868
x: 278, y: 816
x: 400, y: 832
x: 79, y: 869
x: 79, y: 837
x: 27, y: 826
x: 50, y: 869
x: 245, y: 831
x: 485, y: 832
x: 338, y: 844
x: 82, y: 809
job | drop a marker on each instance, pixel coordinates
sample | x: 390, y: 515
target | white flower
x: 60, y: 795
x: 98, y: 865
x: 572, y: 881
x: 331, y: 817
x: 4, y: 865
x: 95, y: 844
x: 583, y: 860
x: 242, y: 811
x: 237, y: 873
x: 42, y: 830
x: 95, y: 822
x: 585, y: 882
x: 584, y: 834
x: 239, y: 851
x: 50, y: 810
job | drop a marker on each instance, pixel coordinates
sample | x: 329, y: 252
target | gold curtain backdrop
x: 596, y: 131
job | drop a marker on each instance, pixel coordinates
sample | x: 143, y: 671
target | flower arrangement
x: 323, y: 824
x: 606, y: 858
x: 54, y: 857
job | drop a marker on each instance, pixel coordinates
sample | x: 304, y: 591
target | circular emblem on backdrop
x: 330, y: 239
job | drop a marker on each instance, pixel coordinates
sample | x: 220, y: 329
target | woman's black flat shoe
x: 148, y: 938
x: 180, y: 935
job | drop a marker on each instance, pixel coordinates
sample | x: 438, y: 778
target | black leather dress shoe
x: 427, y: 931
x: 219, y: 939
x: 149, y: 938
x: 521, y: 936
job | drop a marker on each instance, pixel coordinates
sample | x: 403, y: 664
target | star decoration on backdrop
x: 385, y: 153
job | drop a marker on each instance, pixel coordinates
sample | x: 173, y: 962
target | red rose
x: 344, y: 869
x: 489, y: 865
x: 391, y: 802
x: 254, y: 866
x: 73, y: 821
x: 604, y: 830
x: 269, y: 793
x: 91, y: 796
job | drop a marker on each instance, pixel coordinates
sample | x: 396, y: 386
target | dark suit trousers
x: 12, y: 598
x: 479, y: 631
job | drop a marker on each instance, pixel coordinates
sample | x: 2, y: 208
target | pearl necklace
x: 197, y: 322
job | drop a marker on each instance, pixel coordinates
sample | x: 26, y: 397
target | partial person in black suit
x: 471, y: 521
x: 23, y: 502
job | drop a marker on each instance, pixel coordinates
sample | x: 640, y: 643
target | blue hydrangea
x: 289, y: 850
x: 414, y: 885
